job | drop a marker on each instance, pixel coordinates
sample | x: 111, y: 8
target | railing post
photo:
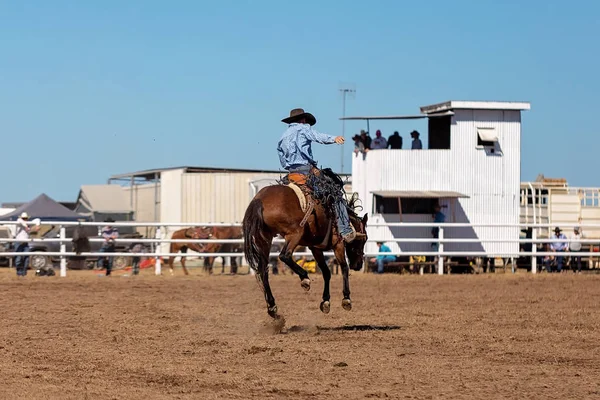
x: 534, y: 251
x: 157, y: 249
x: 63, y: 250
x: 440, y: 252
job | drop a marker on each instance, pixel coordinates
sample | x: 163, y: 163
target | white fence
x: 440, y: 253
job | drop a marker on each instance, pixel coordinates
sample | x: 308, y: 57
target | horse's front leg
x: 286, y: 255
x: 320, y: 259
x: 340, y: 255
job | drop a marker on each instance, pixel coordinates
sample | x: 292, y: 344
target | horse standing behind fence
x: 276, y: 210
x: 223, y: 232
x: 195, y: 233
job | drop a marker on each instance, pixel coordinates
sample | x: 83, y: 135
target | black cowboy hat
x: 557, y: 229
x: 356, y: 137
x: 297, y: 114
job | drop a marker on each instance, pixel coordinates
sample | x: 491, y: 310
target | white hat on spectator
x: 24, y: 215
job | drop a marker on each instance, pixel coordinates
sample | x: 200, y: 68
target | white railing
x: 440, y: 253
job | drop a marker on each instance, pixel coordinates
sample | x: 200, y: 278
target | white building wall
x: 170, y: 200
x: 491, y: 181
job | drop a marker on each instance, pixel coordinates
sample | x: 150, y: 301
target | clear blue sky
x: 89, y: 89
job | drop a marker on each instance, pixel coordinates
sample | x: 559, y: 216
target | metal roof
x: 150, y: 174
x: 476, y: 105
x: 420, y: 194
x: 104, y: 198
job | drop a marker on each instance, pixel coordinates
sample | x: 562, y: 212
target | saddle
x: 298, y: 183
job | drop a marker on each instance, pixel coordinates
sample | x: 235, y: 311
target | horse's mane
x: 354, y: 206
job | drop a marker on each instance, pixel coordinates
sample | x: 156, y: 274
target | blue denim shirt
x: 559, y: 245
x: 294, y: 147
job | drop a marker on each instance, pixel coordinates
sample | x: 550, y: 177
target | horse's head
x: 355, y: 249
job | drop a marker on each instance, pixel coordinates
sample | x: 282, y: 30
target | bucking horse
x: 302, y: 212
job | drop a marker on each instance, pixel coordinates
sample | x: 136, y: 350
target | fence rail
x: 440, y: 253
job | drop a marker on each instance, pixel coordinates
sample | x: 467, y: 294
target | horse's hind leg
x: 263, y: 274
x: 320, y: 259
x: 291, y: 242
x: 184, y: 251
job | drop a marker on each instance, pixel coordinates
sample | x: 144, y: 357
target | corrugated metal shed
x: 488, y: 177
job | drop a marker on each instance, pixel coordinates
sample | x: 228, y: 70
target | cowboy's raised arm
x: 319, y: 137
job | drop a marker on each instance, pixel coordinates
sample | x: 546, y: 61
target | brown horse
x: 276, y: 210
x: 223, y: 232
x: 187, y: 233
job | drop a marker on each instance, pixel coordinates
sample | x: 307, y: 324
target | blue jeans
x: 106, y: 262
x: 559, y: 263
x: 22, y: 262
x: 343, y: 221
x: 380, y: 264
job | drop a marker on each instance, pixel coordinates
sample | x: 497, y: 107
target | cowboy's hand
x: 340, y: 140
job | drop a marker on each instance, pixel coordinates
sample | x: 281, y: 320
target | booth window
x: 413, y: 205
x: 486, y: 137
x: 410, y: 205
x: 386, y: 205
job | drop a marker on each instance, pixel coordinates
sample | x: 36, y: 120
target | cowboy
x: 109, y: 233
x: 22, y: 233
x: 295, y: 155
x: 559, y: 245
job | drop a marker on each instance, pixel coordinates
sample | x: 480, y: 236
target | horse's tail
x: 255, y: 241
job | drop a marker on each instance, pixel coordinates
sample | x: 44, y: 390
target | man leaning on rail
x: 109, y: 233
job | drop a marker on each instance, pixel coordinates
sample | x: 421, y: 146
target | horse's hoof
x: 273, y: 312
x: 347, y: 304
x: 325, y: 307
x: 305, y: 284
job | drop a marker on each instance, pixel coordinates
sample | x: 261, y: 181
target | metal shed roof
x: 104, y: 198
x: 150, y: 174
x: 476, y: 105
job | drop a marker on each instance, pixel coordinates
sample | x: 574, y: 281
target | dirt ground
x: 207, y: 337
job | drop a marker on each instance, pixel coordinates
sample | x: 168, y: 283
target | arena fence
x: 440, y: 254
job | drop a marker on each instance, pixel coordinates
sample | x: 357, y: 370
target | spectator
x: 416, y: 143
x: 109, y: 233
x: 438, y: 218
x: 366, y: 139
x: 359, y: 146
x: 22, y: 233
x: 395, y: 141
x: 575, y: 246
x: 558, y: 246
x: 379, y: 142
x: 136, y: 248
x: 381, y: 260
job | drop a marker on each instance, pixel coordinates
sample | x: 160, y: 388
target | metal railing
x: 440, y: 253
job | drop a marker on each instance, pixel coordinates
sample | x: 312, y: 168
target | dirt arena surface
x: 497, y: 336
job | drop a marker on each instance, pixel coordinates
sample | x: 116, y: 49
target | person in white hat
x: 22, y: 233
